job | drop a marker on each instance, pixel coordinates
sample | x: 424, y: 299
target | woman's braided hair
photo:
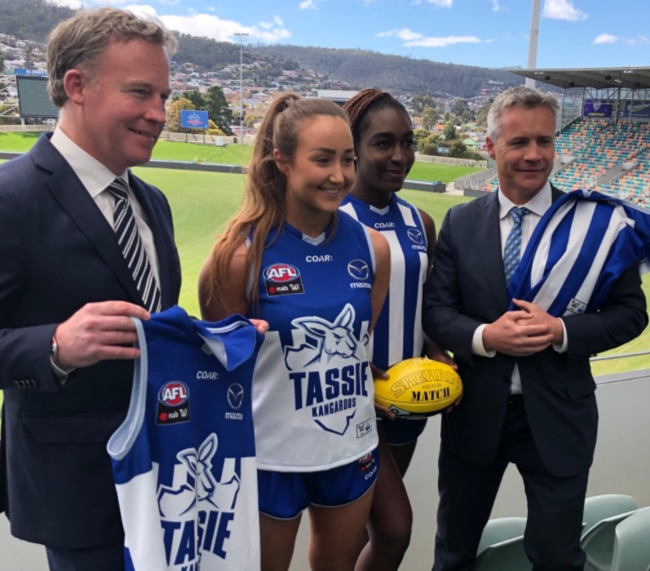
x: 357, y: 108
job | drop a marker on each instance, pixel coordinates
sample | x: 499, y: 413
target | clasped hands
x: 524, y: 331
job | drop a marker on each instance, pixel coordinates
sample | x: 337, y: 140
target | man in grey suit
x: 69, y: 284
x: 528, y: 389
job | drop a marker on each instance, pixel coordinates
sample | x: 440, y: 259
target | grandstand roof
x: 598, y: 78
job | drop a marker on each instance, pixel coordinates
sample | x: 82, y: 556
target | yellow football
x: 418, y: 387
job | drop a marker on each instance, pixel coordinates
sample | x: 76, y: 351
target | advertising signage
x: 597, y: 108
x: 192, y: 119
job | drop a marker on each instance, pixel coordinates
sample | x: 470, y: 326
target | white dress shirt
x: 96, y: 178
x: 537, y: 206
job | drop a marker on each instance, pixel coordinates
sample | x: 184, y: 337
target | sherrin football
x: 418, y: 387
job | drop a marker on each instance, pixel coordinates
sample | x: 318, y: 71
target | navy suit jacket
x: 57, y: 253
x: 467, y: 288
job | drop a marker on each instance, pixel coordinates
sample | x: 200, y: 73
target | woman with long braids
x: 384, y: 146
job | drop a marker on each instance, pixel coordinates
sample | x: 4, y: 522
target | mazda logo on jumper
x: 415, y: 235
x: 235, y: 396
x: 358, y: 269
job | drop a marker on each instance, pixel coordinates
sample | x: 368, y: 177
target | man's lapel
x: 75, y: 201
x: 488, y: 243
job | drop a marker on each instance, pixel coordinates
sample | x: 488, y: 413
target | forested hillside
x: 393, y: 73
x: 30, y: 19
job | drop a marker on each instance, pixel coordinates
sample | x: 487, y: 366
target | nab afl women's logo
x: 282, y: 279
x: 174, y: 393
x: 281, y: 273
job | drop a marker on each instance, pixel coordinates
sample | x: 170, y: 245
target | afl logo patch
x: 281, y: 273
x: 173, y: 403
x: 282, y: 279
x: 235, y: 396
x: 174, y: 394
x: 415, y: 235
x: 358, y: 269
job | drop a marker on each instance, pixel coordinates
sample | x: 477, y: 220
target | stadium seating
x: 598, y: 542
x: 500, y: 529
x: 502, y: 547
x: 632, y: 543
x: 507, y: 555
x: 603, y: 506
x: 595, y: 151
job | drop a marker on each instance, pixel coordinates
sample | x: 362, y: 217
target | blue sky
x: 486, y: 33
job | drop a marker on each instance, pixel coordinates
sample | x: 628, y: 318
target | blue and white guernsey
x: 184, y: 458
x: 579, y: 248
x: 398, y: 333
x: 313, y: 390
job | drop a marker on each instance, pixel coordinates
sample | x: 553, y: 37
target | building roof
x: 598, y: 78
x: 337, y: 95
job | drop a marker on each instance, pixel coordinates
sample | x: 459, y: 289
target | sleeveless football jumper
x: 184, y: 458
x: 398, y: 334
x: 313, y: 394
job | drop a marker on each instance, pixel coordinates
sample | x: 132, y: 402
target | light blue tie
x: 129, y: 241
x: 512, y: 250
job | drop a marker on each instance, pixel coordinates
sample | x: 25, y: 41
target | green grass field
x: 234, y: 155
x: 202, y: 202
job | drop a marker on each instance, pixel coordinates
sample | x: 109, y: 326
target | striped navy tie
x: 512, y: 251
x: 129, y: 241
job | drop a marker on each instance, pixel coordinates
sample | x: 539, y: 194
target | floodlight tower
x: 533, y: 40
x: 241, y: 36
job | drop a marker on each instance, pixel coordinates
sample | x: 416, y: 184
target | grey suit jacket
x: 57, y: 253
x: 467, y: 288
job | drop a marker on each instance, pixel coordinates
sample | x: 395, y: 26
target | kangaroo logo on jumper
x: 358, y: 269
x: 329, y: 367
x: 415, y: 235
x: 282, y: 279
x: 197, y: 509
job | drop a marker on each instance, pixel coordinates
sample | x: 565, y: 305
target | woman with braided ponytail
x: 384, y: 146
x: 319, y: 278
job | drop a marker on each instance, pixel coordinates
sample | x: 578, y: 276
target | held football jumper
x: 184, y: 458
x: 578, y: 250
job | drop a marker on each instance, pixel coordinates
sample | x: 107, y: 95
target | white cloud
x: 403, y: 34
x: 639, y: 40
x: 145, y: 10
x: 195, y: 24
x: 606, y: 39
x: 441, y: 3
x: 277, y: 22
x: 307, y: 5
x: 210, y: 26
x: 415, y: 39
x: 495, y: 6
x: 563, y: 10
x: 636, y: 41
